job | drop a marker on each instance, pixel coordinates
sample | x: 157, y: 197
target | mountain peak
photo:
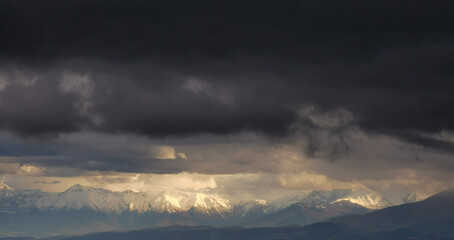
x: 5, y: 187
x: 367, y: 198
x: 75, y: 187
x: 412, y: 197
x: 173, y: 201
x: 78, y: 187
x: 5, y: 191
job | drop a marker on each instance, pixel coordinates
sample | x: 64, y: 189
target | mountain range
x: 82, y: 209
x: 430, y: 219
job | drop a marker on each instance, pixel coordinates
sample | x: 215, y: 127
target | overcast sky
x: 270, y: 94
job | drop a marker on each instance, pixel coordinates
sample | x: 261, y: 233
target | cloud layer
x: 179, y: 68
x: 228, y: 87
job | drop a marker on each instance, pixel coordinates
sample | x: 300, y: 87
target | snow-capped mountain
x: 127, y: 210
x: 412, y: 197
x: 363, y: 197
x: 79, y: 197
x: 5, y: 191
x: 181, y: 201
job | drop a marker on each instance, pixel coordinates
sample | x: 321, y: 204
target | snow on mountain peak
x: 5, y: 187
x: 412, y: 197
x: 76, y: 187
x: 206, y: 203
x: 80, y: 197
x: 366, y: 198
x: 367, y: 201
x: 131, y: 206
x: 178, y: 201
x: 167, y: 203
x: 6, y: 191
x: 362, y: 196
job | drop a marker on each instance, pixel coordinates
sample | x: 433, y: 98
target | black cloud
x: 256, y: 62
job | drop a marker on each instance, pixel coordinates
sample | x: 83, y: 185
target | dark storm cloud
x: 38, y: 110
x: 326, y: 30
x: 160, y: 68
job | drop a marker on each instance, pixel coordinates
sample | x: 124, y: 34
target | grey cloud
x: 38, y: 109
x: 254, y: 65
x: 46, y: 182
x: 315, y: 31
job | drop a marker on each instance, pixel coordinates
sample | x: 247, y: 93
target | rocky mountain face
x: 82, y: 209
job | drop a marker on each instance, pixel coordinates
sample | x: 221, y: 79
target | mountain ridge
x: 91, y: 209
x: 436, y: 211
x: 99, y: 199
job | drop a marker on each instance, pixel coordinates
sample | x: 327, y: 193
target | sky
x: 242, y: 98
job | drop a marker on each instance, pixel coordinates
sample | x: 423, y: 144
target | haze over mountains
x: 84, y: 209
x: 430, y: 219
